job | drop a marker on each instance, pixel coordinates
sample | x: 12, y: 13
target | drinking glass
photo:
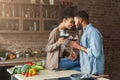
x: 64, y: 34
x: 71, y: 38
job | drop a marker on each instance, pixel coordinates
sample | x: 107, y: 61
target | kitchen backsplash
x: 21, y: 41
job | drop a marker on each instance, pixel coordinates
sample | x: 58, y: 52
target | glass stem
x: 71, y: 49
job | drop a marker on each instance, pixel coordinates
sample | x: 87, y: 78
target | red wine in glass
x: 64, y: 36
x: 73, y: 39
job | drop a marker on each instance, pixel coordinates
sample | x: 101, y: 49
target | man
x: 91, y: 45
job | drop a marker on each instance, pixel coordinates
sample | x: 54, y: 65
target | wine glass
x: 63, y: 34
x: 71, y: 38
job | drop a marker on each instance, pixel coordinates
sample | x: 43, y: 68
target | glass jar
x: 28, y: 14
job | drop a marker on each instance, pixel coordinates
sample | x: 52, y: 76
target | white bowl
x: 3, y: 59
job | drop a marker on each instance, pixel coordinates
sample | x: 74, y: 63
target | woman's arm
x: 54, y: 42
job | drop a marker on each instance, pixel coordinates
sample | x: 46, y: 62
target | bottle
x: 51, y: 2
x: 27, y: 15
x: 7, y: 11
x: 16, y: 26
x: 33, y: 1
x: 10, y: 0
x: 46, y: 13
x: 13, y: 11
x: 35, y: 26
x: 41, y: 2
x: 3, y: 9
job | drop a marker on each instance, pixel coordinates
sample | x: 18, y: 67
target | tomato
x: 23, y: 73
x: 30, y: 74
x: 29, y: 62
x: 26, y: 74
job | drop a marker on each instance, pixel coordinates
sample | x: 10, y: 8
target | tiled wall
x: 104, y: 14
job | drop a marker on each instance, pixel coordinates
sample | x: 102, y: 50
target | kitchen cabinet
x: 30, y: 17
x: 18, y: 17
x: 4, y: 74
x: 9, y: 17
x: 50, y: 16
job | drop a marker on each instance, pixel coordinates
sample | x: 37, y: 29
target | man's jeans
x: 67, y: 64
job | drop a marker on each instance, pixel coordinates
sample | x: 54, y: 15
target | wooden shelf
x: 19, y: 31
x: 5, y: 31
x: 55, y: 5
x: 25, y: 31
x: 6, y: 2
x: 55, y: 19
x: 1, y: 17
x: 31, y: 18
x: 28, y: 16
x: 32, y: 4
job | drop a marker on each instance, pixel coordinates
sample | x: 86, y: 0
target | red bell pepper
x: 29, y: 63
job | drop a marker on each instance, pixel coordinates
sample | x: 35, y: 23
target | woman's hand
x: 61, y: 40
x: 73, y: 56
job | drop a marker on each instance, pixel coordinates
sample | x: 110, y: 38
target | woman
x: 54, y: 47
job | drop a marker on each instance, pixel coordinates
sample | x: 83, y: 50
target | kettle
x: 28, y: 52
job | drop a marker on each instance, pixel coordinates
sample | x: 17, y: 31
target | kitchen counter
x: 21, y: 60
x: 43, y: 74
x: 47, y: 74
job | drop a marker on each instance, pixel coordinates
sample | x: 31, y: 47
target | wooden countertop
x: 21, y: 60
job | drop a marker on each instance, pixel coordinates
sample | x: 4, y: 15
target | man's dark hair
x: 66, y: 12
x: 82, y: 14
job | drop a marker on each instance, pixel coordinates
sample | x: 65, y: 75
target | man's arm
x: 74, y: 44
x: 95, y: 44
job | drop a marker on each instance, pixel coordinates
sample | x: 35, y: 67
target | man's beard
x: 79, y: 27
x: 66, y: 29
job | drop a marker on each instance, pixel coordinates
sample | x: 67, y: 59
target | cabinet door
x: 31, y: 17
x: 49, y: 16
x: 9, y: 25
x: 31, y: 25
x: 9, y: 9
x: 50, y: 11
x: 9, y: 17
